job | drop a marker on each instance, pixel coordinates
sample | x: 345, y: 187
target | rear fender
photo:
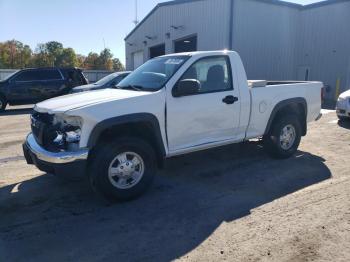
x: 296, y: 105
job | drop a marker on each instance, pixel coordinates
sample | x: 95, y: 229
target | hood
x: 88, y: 86
x: 74, y: 101
x: 346, y: 94
x: 85, y: 88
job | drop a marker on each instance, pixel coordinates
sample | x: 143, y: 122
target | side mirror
x: 186, y: 87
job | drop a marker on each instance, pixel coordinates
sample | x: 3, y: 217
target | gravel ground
x: 233, y: 203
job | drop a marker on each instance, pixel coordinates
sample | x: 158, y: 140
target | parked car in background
x: 33, y: 85
x: 343, y: 106
x: 171, y: 105
x: 106, y: 82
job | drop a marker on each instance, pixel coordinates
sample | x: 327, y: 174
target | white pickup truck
x: 171, y: 105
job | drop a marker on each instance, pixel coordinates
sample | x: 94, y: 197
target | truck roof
x: 217, y: 52
x: 45, y: 68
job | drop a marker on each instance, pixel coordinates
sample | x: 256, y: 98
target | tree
x: 105, y: 59
x: 117, y: 65
x: 26, y: 55
x: 54, y: 50
x: 47, y: 54
x: 67, y: 58
x: 80, y: 61
x: 91, y: 62
x: 12, y: 47
x: 41, y: 57
x: 53, y: 54
x: 4, y: 56
x: 14, y: 54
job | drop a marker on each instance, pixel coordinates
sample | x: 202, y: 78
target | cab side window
x: 213, y: 73
x: 25, y: 76
x: 50, y: 74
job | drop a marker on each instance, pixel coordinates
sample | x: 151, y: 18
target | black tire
x: 102, y: 158
x: 3, y: 103
x: 272, y: 141
x: 343, y: 118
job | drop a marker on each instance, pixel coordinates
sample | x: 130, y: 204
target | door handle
x: 230, y: 100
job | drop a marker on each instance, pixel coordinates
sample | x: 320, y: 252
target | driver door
x: 21, y: 87
x: 207, y: 116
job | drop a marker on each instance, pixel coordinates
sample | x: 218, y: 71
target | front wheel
x: 123, y: 169
x: 284, y: 137
x: 3, y: 103
x: 342, y: 118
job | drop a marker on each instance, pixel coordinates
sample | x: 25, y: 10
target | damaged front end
x: 56, y: 132
x: 53, y: 146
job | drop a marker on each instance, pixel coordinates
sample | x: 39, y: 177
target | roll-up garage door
x: 138, y: 59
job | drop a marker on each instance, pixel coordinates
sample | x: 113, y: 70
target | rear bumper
x: 62, y: 163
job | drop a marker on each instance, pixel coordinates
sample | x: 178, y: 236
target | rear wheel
x: 284, y: 137
x: 122, y: 170
x: 3, y: 103
x: 342, y: 118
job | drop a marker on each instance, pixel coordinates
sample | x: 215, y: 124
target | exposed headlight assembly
x: 68, y: 130
x: 73, y: 136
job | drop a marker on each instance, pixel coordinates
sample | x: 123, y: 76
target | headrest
x: 216, y: 73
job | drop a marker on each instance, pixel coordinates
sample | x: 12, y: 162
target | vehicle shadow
x: 344, y: 124
x: 329, y: 105
x: 191, y: 198
x: 13, y: 112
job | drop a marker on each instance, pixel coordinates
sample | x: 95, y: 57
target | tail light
x: 322, y: 93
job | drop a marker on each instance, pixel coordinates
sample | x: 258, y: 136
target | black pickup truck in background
x: 29, y: 86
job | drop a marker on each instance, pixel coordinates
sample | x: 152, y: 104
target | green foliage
x: 91, y: 61
x: 67, y: 58
x: 103, y: 61
x: 117, y: 65
x: 15, y: 55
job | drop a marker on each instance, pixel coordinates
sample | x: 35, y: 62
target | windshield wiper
x: 132, y: 87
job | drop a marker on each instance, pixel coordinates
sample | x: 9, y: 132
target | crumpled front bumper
x: 59, y: 163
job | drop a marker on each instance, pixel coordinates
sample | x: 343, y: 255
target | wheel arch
x: 296, y: 105
x: 2, y: 94
x: 141, y: 125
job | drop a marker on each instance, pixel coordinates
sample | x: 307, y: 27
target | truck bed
x: 265, y: 95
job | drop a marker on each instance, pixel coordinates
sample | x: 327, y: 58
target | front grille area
x: 43, y: 129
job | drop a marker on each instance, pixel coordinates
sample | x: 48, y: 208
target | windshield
x: 154, y: 74
x: 106, y: 79
x: 10, y: 75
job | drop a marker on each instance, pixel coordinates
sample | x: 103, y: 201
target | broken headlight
x: 68, y: 131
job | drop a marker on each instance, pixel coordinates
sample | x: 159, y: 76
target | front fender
x: 128, y: 119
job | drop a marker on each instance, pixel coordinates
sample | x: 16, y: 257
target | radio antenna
x: 136, y: 21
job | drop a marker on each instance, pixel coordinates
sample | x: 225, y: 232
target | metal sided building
x: 276, y: 40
